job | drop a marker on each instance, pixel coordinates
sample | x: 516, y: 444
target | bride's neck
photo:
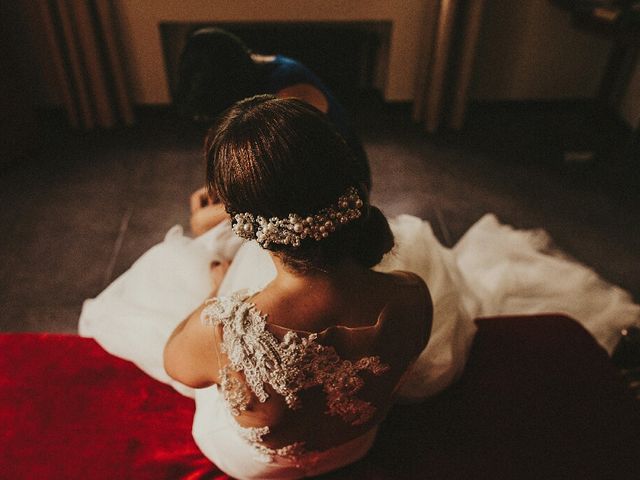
x: 286, y: 276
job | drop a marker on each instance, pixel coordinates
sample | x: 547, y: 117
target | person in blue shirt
x: 217, y: 70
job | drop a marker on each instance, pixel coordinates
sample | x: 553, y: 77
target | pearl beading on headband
x: 295, y: 228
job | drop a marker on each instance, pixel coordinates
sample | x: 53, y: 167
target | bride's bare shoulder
x: 357, y: 303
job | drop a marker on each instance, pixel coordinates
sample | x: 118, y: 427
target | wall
x: 529, y: 50
x: 139, y: 23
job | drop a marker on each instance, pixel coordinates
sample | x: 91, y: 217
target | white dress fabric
x: 493, y: 270
x: 215, y: 432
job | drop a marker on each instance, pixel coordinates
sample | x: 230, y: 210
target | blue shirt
x: 284, y: 72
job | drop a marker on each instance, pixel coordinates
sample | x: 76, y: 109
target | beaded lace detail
x: 254, y: 435
x: 288, y: 366
x: 235, y: 394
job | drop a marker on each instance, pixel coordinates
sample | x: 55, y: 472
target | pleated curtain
x: 89, y: 67
x: 446, y: 68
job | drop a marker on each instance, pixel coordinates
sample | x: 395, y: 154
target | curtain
x: 447, y: 64
x: 89, y: 68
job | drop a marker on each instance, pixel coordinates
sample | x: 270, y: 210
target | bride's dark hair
x: 272, y: 157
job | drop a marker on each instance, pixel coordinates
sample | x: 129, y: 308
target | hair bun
x: 371, y: 238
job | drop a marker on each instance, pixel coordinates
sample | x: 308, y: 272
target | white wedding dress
x: 493, y: 270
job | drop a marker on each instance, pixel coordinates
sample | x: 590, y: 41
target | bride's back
x: 367, y: 328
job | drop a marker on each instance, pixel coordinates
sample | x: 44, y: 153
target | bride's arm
x: 191, y: 353
x: 206, y: 211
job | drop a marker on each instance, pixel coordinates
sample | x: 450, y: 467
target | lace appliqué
x: 289, y: 366
x: 295, y: 364
x: 235, y: 393
x: 254, y: 435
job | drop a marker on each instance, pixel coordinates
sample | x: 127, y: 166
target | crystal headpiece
x: 295, y: 228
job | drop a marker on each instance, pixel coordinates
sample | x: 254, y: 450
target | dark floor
x: 76, y: 215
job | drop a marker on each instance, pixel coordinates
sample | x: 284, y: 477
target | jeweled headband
x: 295, y: 228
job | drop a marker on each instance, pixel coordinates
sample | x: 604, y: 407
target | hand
x: 205, y: 218
x: 201, y: 198
x: 217, y: 271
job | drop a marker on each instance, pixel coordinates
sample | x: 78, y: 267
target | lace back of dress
x: 289, y: 366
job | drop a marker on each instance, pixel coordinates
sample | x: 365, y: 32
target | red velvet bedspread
x: 539, y: 399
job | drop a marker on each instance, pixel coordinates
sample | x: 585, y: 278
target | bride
x: 302, y: 346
